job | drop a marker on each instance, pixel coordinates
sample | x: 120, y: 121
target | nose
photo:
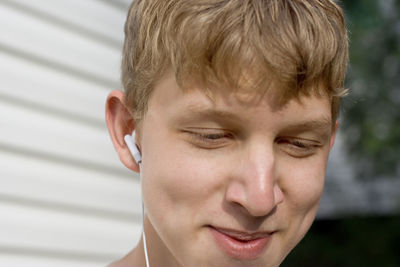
x: 253, y: 184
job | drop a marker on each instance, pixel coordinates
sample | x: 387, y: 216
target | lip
x: 241, y: 245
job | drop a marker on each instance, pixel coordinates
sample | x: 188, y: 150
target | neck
x: 158, y: 253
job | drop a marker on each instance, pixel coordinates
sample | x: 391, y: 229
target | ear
x: 333, y: 135
x: 120, y: 123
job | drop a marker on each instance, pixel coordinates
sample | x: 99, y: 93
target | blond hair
x: 299, y: 46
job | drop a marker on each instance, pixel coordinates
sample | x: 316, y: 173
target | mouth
x: 239, y: 244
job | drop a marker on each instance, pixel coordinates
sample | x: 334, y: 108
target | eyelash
x: 297, y: 148
x: 209, y: 140
x: 294, y: 147
x: 212, y: 137
x: 300, y: 144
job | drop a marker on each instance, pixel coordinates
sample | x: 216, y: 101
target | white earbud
x: 131, y: 143
x: 133, y: 148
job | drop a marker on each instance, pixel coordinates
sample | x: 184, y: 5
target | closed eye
x: 209, y: 138
x: 298, y: 148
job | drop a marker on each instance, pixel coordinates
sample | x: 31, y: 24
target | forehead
x: 169, y: 101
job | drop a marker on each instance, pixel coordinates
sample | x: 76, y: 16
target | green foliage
x: 371, y: 113
x: 367, y: 242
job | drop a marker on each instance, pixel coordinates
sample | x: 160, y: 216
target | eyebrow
x: 210, y: 112
x: 322, y: 125
x: 196, y: 112
x: 318, y: 123
x: 200, y: 110
x: 315, y: 123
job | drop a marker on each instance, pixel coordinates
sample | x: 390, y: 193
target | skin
x: 232, y: 162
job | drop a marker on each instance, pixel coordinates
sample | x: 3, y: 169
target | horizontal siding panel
x: 35, y: 131
x: 90, y: 15
x: 65, y: 198
x: 46, y: 88
x: 62, y: 232
x: 20, y: 36
x: 23, y: 260
x: 122, y: 4
x: 48, y: 184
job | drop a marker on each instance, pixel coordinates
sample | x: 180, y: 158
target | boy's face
x: 230, y: 181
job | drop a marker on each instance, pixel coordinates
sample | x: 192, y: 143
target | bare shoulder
x: 132, y: 259
x: 116, y: 264
x: 120, y: 263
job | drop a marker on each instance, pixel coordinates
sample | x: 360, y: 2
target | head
x: 235, y: 106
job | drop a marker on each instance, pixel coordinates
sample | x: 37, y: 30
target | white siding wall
x: 65, y: 199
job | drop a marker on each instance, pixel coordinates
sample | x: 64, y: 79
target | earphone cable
x: 144, y: 235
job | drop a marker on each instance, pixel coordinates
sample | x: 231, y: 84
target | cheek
x: 303, y: 183
x: 176, y: 181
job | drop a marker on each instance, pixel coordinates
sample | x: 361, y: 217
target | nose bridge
x: 257, y: 179
x: 260, y: 179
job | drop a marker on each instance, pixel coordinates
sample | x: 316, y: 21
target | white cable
x: 144, y: 235
x: 130, y: 142
x: 144, y: 245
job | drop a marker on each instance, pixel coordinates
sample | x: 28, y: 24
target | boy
x: 234, y: 104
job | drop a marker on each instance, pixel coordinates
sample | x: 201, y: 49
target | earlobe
x: 120, y: 123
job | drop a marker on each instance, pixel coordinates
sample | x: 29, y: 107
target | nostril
x: 254, y: 199
x: 235, y: 193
